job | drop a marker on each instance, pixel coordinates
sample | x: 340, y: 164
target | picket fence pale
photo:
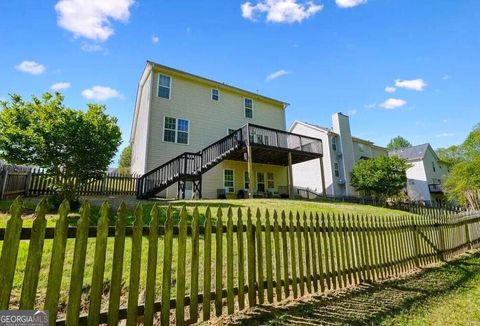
x: 214, y: 263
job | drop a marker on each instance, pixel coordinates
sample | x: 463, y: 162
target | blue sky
x: 327, y: 56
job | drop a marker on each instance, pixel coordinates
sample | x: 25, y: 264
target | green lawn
x: 461, y: 306
x: 243, y: 204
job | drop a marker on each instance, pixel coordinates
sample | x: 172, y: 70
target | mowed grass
x: 243, y: 205
x: 460, y: 306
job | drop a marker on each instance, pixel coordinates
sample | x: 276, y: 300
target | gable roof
x: 311, y: 125
x: 411, y: 153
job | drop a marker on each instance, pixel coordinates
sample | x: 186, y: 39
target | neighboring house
x: 426, y: 175
x: 341, y: 152
x: 196, y: 136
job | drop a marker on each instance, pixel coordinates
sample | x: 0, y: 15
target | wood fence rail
x: 37, y: 182
x: 221, y: 265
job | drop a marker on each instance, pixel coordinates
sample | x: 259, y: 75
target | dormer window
x: 215, y: 94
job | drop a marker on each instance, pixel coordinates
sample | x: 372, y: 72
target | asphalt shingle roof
x: 411, y: 153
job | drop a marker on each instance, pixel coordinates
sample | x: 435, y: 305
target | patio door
x: 260, y: 182
x: 188, y: 189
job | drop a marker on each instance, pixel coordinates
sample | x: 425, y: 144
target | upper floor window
x: 215, y: 94
x: 248, y: 103
x: 176, y: 130
x: 433, y: 166
x: 164, y: 85
x: 335, y: 168
x: 334, y: 143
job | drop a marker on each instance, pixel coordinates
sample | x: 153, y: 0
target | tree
x: 381, y: 177
x: 125, y: 160
x: 463, y: 183
x: 72, y: 144
x: 452, y: 155
x: 398, y: 143
x: 471, y: 145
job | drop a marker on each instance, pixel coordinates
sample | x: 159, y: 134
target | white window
x: 433, y: 166
x: 270, y: 181
x: 246, y: 180
x: 260, y: 181
x: 228, y: 181
x: 164, y: 85
x: 248, y: 104
x: 176, y: 130
x: 215, y: 94
x: 334, y: 143
x: 335, y: 168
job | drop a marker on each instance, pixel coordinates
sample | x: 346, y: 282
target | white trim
x: 224, y: 187
x: 169, y: 86
x: 211, y: 95
x: 176, y: 131
x: 244, y: 108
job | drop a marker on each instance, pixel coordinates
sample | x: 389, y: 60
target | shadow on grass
x: 369, y: 304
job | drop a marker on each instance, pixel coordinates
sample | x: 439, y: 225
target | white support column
x: 290, y: 176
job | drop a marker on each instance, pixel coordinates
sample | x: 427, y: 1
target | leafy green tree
x: 471, y: 145
x: 452, y: 155
x: 380, y: 177
x: 125, y: 160
x: 463, y: 183
x: 398, y: 143
x: 72, y: 144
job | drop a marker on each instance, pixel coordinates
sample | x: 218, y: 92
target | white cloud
x: 352, y: 112
x: 446, y: 77
x: 92, y: 19
x: 393, y: 103
x: 390, y: 89
x: 59, y: 86
x: 89, y: 47
x: 276, y: 74
x: 349, y: 3
x: 155, y: 39
x: 30, y: 67
x: 370, y: 106
x: 101, y: 93
x: 280, y: 11
x: 445, y: 134
x: 414, y: 84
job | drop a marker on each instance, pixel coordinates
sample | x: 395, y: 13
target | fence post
x: 3, y: 182
x: 415, y: 242
x: 28, y: 180
x: 103, y: 187
x: 467, y: 235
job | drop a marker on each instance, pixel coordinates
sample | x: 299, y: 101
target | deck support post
x: 322, y: 171
x: 290, y: 176
x: 250, y: 171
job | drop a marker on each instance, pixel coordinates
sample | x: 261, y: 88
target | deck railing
x: 259, y: 135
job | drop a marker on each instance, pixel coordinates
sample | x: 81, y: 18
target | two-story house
x: 196, y: 136
x: 426, y: 174
x: 341, y: 152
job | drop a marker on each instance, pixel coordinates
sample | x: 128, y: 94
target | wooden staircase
x: 188, y: 166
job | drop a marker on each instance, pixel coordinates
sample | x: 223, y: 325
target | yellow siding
x: 209, y: 120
